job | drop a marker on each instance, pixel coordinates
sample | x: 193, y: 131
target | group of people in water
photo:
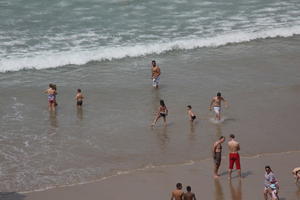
x: 52, y: 92
x: 271, y: 184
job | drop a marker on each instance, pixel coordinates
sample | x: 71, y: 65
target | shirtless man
x: 79, y: 98
x: 155, y: 74
x: 178, y: 193
x: 189, y: 195
x: 217, y: 155
x: 51, y: 97
x: 234, y: 156
x: 216, y: 104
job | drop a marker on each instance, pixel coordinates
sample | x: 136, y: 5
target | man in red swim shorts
x: 234, y: 156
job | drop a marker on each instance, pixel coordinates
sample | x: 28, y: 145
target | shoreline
x: 149, y: 167
x: 164, y: 178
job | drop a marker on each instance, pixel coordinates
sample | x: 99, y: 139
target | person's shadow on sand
x: 11, y: 196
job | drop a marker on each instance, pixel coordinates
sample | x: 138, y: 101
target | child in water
x: 190, y: 113
x: 79, y: 98
x: 162, y: 112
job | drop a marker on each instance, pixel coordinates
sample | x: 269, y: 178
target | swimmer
x: 216, y: 104
x: 162, y: 112
x: 155, y: 74
x: 79, y: 98
x: 296, y: 173
x: 217, y: 155
x: 190, y: 113
x: 189, y: 195
x: 51, y: 97
x: 234, y: 156
x: 271, y: 184
x: 178, y: 193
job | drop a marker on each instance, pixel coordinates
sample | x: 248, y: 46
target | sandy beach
x: 158, y: 182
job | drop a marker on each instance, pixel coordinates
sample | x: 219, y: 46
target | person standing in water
x: 51, y: 97
x: 217, y: 155
x: 216, y: 104
x: 79, y: 98
x: 55, y: 89
x: 190, y: 113
x: 178, y: 193
x: 189, y: 195
x: 271, y: 184
x: 234, y: 156
x: 155, y: 74
x: 162, y: 112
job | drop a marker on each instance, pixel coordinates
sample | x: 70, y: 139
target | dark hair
x: 188, y: 188
x: 221, y: 137
x: 268, y: 167
x: 189, y: 106
x: 219, y: 94
x: 162, y: 103
x: 178, y: 185
x: 232, y: 136
x: 78, y: 90
x: 153, y: 62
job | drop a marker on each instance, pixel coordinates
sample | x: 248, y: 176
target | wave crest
x: 53, y: 60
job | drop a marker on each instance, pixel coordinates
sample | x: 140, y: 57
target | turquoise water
x: 45, y: 34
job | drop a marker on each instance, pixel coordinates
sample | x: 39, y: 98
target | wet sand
x: 158, y: 182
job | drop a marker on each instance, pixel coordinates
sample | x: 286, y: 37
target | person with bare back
x: 234, y: 157
x: 177, y: 194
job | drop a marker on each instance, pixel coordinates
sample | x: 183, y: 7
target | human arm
x: 225, y: 103
x: 172, y: 196
x: 238, y: 147
x: 194, y: 197
x: 211, y: 103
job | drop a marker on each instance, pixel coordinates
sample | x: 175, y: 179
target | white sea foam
x: 80, y: 57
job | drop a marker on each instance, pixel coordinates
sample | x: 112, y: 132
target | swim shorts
x: 234, y: 158
x: 155, y: 81
x: 163, y: 114
x: 193, y: 117
x: 217, y: 110
x: 217, y: 158
x: 79, y: 103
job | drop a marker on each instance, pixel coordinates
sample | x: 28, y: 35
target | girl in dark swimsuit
x: 162, y: 112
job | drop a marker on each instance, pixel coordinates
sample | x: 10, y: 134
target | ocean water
x: 248, y: 50
x: 48, y: 34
